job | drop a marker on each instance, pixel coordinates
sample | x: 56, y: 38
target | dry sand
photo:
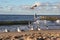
x: 29, y: 35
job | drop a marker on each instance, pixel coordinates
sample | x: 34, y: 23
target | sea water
x: 24, y: 27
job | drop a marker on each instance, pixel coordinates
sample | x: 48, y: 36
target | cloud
x: 26, y: 9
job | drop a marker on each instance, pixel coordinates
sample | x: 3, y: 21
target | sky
x: 24, y: 2
x: 5, y: 3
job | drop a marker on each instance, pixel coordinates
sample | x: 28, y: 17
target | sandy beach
x: 29, y: 35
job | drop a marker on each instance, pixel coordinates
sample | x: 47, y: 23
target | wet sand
x: 27, y: 35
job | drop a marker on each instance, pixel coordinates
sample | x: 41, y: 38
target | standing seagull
x: 6, y: 30
x: 18, y: 30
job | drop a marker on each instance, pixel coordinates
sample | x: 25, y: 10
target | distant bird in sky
x: 35, y: 5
